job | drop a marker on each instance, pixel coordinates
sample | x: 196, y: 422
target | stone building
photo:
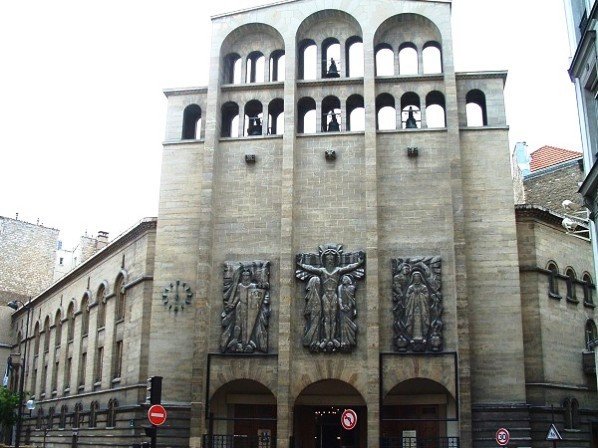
x: 336, y: 231
x: 26, y: 258
x: 555, y: 175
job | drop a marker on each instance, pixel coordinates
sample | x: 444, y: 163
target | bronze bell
x: 333, y: 70
x: 411, y: 123
x: 334, y: 126
x: 255, y: 126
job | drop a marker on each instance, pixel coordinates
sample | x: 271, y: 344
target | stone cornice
x: 498, y: 74
x: 184, y: 91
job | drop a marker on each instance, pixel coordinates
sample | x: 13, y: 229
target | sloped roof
x: 551, y: 155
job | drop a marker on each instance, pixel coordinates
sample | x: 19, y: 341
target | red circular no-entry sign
x: 502, y: 437
x: 349, y: 419
x: 156, y: 414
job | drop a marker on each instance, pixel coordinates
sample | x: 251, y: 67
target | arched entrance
x: 317, y: 416
x: 419, y: 412
x: 242, y: 414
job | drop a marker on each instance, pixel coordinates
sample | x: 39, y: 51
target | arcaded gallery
x: 335, y: 262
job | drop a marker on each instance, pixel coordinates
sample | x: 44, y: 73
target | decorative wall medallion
x: 412, y: 151
x: 177, y: 295
x: 330, y: 307
x: 246, y: 307
x: 417, y: 304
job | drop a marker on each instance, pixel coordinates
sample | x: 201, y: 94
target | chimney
x: 102, y: 240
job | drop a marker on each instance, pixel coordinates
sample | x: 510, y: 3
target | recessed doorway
x: 317, y: 416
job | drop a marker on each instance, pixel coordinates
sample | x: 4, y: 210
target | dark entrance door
x: 320, y: 427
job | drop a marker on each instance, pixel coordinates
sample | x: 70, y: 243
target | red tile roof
x: 550, y: 155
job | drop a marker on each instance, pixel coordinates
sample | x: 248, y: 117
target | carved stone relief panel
x: 417, y: 304
x: 330, y: 306
x: 246, y: 314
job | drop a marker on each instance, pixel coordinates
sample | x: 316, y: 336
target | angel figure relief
x: 330, y: 306
x: 246, y: 307
x: 417, y: 304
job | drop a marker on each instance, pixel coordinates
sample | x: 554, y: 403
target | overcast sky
x: 82, y: 112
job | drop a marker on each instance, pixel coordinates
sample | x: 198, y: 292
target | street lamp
x: 15, y: 306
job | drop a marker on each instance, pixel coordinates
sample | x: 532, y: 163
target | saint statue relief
x: 246, y: 307
x: 330, y: 307
x: 417, y: 304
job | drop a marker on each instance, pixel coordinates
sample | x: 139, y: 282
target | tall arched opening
x: 318, y: 412
x: 242, y: 413
x: 419, y: 412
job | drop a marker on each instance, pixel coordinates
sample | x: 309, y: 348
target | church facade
x: 336, y: 245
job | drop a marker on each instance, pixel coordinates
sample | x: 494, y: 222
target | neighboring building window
x: 33, y: 381
x: 82, y: 368
x: 71, y: 322
x: 571, y: 411
x: 587, y: 290
x: 93, y: 412
x: 101, y: 307
x: 571, y: 280
x: 99, y: 363
x: 67, y: 372
x: 77, y: 416
x: 36, y: 340
x: 118, y: 359
x: 553, y: 273
x: 47, y: 335
x: 111, y: 418
x: 58, y: 326
x: 62, y: 421
x: 40, y: 418
x: 85, y: 316
x: 51, y: 413
x: 44, y: 380
x: 55, y: 377
x: 591, y: 335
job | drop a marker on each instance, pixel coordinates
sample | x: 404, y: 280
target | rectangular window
x: 67, y: 373
x: 55, y: 376
x: 99, y: 362
x: 118, y: 359
x: 42, y: 388
x: 82, y: 368
x: 33, y: 381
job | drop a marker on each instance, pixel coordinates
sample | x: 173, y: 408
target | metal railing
x: 416, y: 442
x: 238, y: 441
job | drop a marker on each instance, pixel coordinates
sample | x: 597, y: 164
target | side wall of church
x: 84, y: 367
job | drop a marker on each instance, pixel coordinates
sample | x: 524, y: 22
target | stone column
x: 284, y: 427
x: 372, y: 336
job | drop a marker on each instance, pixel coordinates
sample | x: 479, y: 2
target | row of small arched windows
x: 571, y: 283
x: 51, y: 370
x: 411, y: 115
x: 407, y: 59
x: 76, y: 419
x: 70, y: 318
